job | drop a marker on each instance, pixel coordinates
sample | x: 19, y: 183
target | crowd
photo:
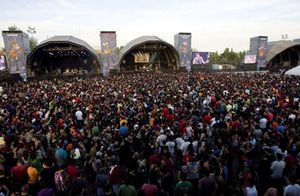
x: 151, y: 134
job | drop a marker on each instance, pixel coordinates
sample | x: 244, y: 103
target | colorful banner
x: 184, y: 48
x: 200, y: 58
x: 17, y: 48
x: 109, y: 50
x: 262, y: 52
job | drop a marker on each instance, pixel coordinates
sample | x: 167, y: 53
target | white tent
x: 294, y: 72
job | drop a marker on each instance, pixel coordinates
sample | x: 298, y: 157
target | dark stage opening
x: 286, y: 59
x: 62, y: 58
x: 149, y: 55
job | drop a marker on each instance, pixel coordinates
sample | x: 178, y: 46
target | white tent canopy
x: 294, y: 72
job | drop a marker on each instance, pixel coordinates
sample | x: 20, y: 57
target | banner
x: 200, y: 58
x: 109, y: 49
x: 250, y: 59
x: 184, y: 48
x: 17, y: 48
x: 262, y: 52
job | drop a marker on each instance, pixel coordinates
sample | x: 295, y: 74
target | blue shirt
x: 123, y: 130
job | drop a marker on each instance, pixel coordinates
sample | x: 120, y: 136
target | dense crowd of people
x: 151, y: 134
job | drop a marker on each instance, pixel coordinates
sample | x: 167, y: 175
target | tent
x: 294, y: 72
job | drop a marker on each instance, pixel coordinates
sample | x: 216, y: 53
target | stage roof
x: 67, y: 39
x: 276, y: 47
x: 139, y: 41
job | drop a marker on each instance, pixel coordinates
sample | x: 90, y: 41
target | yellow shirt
x: 32, y: 174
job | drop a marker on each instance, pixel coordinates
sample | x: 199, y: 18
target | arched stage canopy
x: 148, y: 53
x: 63, y: 54
x: 283, y: 53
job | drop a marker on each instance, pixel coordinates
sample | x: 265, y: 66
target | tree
x: 214, y: 57
x: 228, y: 56
x: 32, y: 42
x: 13, y: 28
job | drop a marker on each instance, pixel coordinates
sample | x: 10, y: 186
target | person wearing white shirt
x: 292, y: 117
x: 263, y: 123
x: 195, y: 145
x: 277, y: 168
x: 189, y: 131
x: 179, y: 141
x: 171, y: 146
x: 184, y: 147
x: 250, y: 189
x: 292, y: 189
x: 79, y: 118
x: 79, y: 115
x: 160, y: 139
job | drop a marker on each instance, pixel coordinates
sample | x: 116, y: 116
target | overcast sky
x: 214, y: 24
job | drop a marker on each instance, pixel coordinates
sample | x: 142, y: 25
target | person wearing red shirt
x: 207, y: 118
x: 150, y: 188
x: 72, y: 170
x: 18, y: 172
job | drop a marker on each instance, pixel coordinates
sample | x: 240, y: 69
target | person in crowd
x: 183, y: 186
x: 207, y: 185
x: 293, y: 188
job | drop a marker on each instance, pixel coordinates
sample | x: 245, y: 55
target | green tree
x: 228, y: 56
x: 13, y: 28
x: 214, y: 58
x: 32, y: 42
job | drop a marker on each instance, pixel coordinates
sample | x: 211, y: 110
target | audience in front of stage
x: 151, y: 134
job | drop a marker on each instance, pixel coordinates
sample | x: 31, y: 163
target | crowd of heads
x: 151, y: 134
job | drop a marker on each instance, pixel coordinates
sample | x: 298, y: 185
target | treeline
x: 228, y: 56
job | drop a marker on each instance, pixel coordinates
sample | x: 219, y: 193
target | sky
x: 214, y: 24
